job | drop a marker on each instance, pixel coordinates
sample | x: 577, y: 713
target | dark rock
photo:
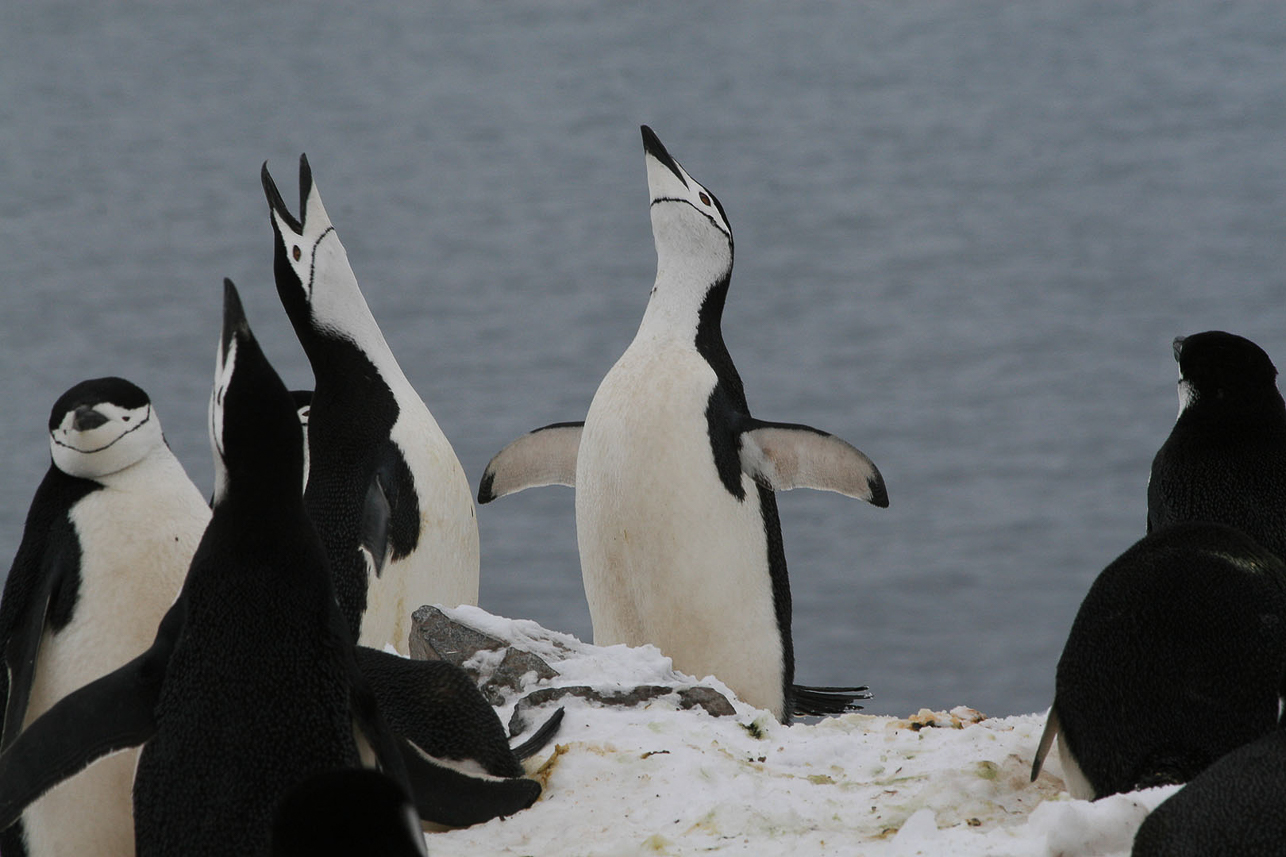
x: 436, y: 637
x: 707, y: 698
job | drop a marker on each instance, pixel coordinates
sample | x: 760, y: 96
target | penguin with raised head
x: 385, y: 488
x: 1225, y: 458
x: 107, y: 543
x: 677, y: 525
x: 1176, y: 657
x: 251, y: 684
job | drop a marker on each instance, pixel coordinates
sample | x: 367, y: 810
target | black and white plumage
x: 1225, y: 458
x: 385, y: 488
x: 1176, y: 657
x: 679, y: 537
x: 107, y: 542
x: 251, y: 683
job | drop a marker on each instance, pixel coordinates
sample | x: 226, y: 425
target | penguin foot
x: 821, y: 701
x: 540, y: 738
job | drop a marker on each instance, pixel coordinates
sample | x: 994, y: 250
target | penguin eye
x: 704, y: 198
x: 125, y: 417
x: 296, y: 253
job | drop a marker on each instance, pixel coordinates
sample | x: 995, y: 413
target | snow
x: 658, y: 780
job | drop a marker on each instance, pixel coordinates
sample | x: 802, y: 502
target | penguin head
x: 1222, y: 367
x: 314, y: 279
x: 689, y: 226
x: 254, y: 426
x: 102, y: 426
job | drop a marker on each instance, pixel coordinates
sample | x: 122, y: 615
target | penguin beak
x: 276, y: 204
x: 87, y: 418
x: 653, y: 148
x: 1178, y: 347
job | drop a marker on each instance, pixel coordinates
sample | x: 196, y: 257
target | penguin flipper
x: 1046, y: 741
x: 108, y: 714
x: 545, y: 456
x: 540, y: 737
x: 785, y: 456
x: 445, y: 794
x: 822, y: 701
x: 20, y: 660
x: 377, y: 514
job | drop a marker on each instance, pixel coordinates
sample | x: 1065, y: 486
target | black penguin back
x: 1225, y: 459
x: 436, y: 706
x: 1175, y: 657
x: 1232, y: 809
x: 258, y: 692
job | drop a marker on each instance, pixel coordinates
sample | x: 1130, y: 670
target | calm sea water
x: 966, y: 234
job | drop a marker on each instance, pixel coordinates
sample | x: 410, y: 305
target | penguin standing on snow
x: 1175, y: 658
x: 107, y: 542
x: 385, y: 488
x: 676, y: 521
x: 251, y: 684
x: 1225, y: 459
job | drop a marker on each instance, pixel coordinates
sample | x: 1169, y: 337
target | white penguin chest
x: 670, y: 556
x: 137, y: 537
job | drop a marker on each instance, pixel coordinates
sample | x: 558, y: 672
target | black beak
x: 87, y: 418
x: 652, y: 145
x: 276, y: 203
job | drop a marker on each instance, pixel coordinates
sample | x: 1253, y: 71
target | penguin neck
x: 1259, y: 416
x: 685, y: 306
x: 679, y: 315
x: 266, y: 493
x: 333, y: 349
x: 158, y: 471
x: 330, y: 315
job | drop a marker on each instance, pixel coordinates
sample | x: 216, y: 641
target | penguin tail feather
x: 540, y: 737
x: 821, y: 701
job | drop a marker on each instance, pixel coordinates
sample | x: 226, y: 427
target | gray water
x: 966, y: 234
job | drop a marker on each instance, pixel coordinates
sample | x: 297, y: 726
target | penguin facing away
x: 107, y: 542
x: 1231, y: 809
x: 1176, y: 657
x: 677, y: 525
x: 385, y: 489
x: 1225, y: 458
x: 251, y: 684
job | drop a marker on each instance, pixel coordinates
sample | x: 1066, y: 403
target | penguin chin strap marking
x: 688, y: 202
x: 312, y: 261
x: 146, y: 419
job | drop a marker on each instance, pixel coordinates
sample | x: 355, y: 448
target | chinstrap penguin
x: 108, y: 540
x: 679, y: 537
x: 251, y: 684
x: 385, y: 489
x: 1225, y: 458
x: 1176, y: 656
